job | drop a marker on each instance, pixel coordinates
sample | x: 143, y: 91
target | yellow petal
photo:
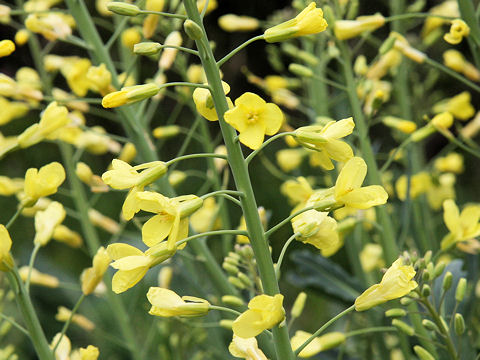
x: 119, y: 250
x: 253, y: 135
x: 339, y: 129
x: 273, y: 118
x: 338, y: 150
x: 131, y: 262
x: 365, y: 197
x: 124, y: 280
x: 351, y: 176
x: 451, y: 216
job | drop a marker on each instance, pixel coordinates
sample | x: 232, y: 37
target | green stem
x: 282, y: 254
x: 242, y: 179
x: 394, y: 153
x: 212, y: 233
x: 161, y: 13
x: 330, y: 82
x: 181, y: 48
x: 286, y: 221
x: 68, y: 322
x: 324, y: 327
x: 450, y: 137
x: 415, y: 16
x: 371, y: 330
x: 30, y: 318
x: 15, y: 216
x: 15, y: 324
x: 225, y: 309
x: 30, y: 266
x: 452, y: 73
x: 195, y: 156
x: 221, y: 192
x: 273, y: 138
x: 389, y: 246
x: 237, y: 49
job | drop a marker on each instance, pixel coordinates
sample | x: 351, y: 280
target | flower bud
x: 231, y: 269
x: 422, y: 353
x: 426, y: 291
x: 236, y: 282
x: 165, y: 277
x: 232, y: 300
x: 21, y: 37
x: 403, y: 327
x: 6, y: 47
x: 439, y: 268
x: 459, y: 324
x: 226, y: 324
x: 300, y: 70
x: 447, y: 281
x: 245, y: 279
x: 298, y: 305
x: 166, y: 132
x: 387, y: 45
x: 192, y: 29
x: 147, y: 48
x: 461, y: 288
x: 121, y: 8
x: 430, y: 325
x: 396, y: 312
x: 232, y: 23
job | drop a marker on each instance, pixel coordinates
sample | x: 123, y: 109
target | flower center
x: 252, y: 117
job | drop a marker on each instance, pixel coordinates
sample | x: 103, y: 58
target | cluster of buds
x: 239, y: 264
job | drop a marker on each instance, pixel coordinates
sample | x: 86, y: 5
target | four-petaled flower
x: 463, y: 225
x: 166, y: 303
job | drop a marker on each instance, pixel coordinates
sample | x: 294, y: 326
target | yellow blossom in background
x: 386, y: 63
x: 309, y: 21
x: 298, y: 191
x: 129, y: 95
x: 64, y: 346
x: 456, y: 61
x: 348, y: 190
x: 419, y: 184
x: 446, y: 8
x: 128, y: 153
x: 242, y: 239
x: 6, y: 47
x: 319, y: 344
x: 93, y: 275
x: 21, y: 37
x: 458, y: 31
x: 442, y: 121
x: 246, y: 349
x: 67, y: 236
x: 396, y: 283
x: 6, y: 260
x: 176, y: 177
x: 204, y: 102
x: 11, y: 110
x: 75, y: 72
x: 5, y: 14
x: 102, y: 221
x: 233, y: 23
x: 43, y: 182
x: 371, y: 257
x: 212, y: 5
x: 165, y: 276
x: 404, y: 126
x: 132, y: 264
x: 169, y: 54
x: 51, y: 25
x: 38, y: 278
x: 290, y: 159
x: 53, y: 118
x: 46, y: 221
x: 462, y: 226
x: 64, y: 314
x: 130, y: 37
x: 151, y: 21
x: 166, y: 303
x: 441, y: 190
x: 207, y: 217
x: 264, y: 312
x: 347, y: 29
x: 459, y: 106
x: 86, y: 175
x: 99, y: 79
x: 318, y: 229
x: 89, y: 353
x: 101, y: 6
x: 253, y: 118
x: 401, y: 44
x: 325, y: 140
x: 453, y: 162
x: 10, y: 186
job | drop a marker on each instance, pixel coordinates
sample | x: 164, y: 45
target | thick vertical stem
x: 242, y: 180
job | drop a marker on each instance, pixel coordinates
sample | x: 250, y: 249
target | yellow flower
x: 212, y: 5
x: 204, y: 102
x: 456, y: 61
x: 317, y: 229
x: 242, y: 239
x: 446, y: 8
x: 21, y: 37
x: 102, y: 221
x: 232, y: 23
x: 46, y: 221
x: 75, y: 72
x: 53, y: 118
x: 419, y: 184
x: 319, y: 344
x: 99, y: 78
x: 246, y: 349
x: 459, y: 106
x: 405, y: 126
x: 166, y: 303
x: 324, y: 139
x: 6, y: 260
x: 6, y: 47
x: 132, y: 264
x: 67, y: 236
x: 124, y: 176
x: 298, y: 191
x: 92, y: 276
x: 128, y: 153
x: 151, y: 21
x: 89, y: 353
x: 290, y: 159
x: 458, y: 31
x: 169, y: 54
x: 453, y: 162
x: 11, y: 110
x: 264, y: 313
x: 309, y: 21
x: 10, y: 186
x: 130, y: 37
x: 52, y: 25
x: 348, y: 190
x: 171, y: 219
x: 347, y: 29
x: 382, y: 66
x: 207, y: 217
x: 254, y: 118
x: 129, y: 95
x: 371, y: 257
x: 441, y: 190
x: 64, y: 314
x: 396, y: 282
x: 43, y: 182
x: 38, y: 278
x: 462, y: 226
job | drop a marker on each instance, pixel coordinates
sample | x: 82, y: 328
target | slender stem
x: 450, y: 137
x: 30, y: 317
x: 326, y: 325
x: 212, y: 233
x: 416, y: 16
x: 237, y: 49
x: 273, y: 138
x: 225, y: 309
x: 282, y: 254
x: 242, y: 179
x: 15, y: 324
x: 68, y: 322
x: 452, y: 73
x: 30, y: 265
x: 118, y: 30
x: 161, y: 13
x: 394, y: 153
x: 15, y: 216
x: 195, y: 156
x: 220, y: 192
x: 330, y: 82
x: 371, y: 330
x: 184, y: 83
x: 286, y: 221
x: 181, y: 48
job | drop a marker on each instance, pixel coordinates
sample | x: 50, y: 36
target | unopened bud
x: 387, y: 45
x: 165, y: 277
x: 430, y: 325
x: 459, y: 324
x: 147, y: 48
x: 122, y: 8
x: 397, y: 312
x: 226, y: 324
x: 232, y: 300
x: 461, y: 288
x: 247, y: 252
x: 231, y: 269
x: 426, y: 275
x: 193, y: 30
x: 439, y: 269
x: 298, y: 305
x: 447, y: 281
x: 165, y: 132
x: 422, y: 353
x: 428, y: 256
x: 329, y: 15
x: 403, y: 327
x: 406, y: 301
x: 426, y: 291
x: 236, y: 282
x: 300, y: 70
x: 245, y: 279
